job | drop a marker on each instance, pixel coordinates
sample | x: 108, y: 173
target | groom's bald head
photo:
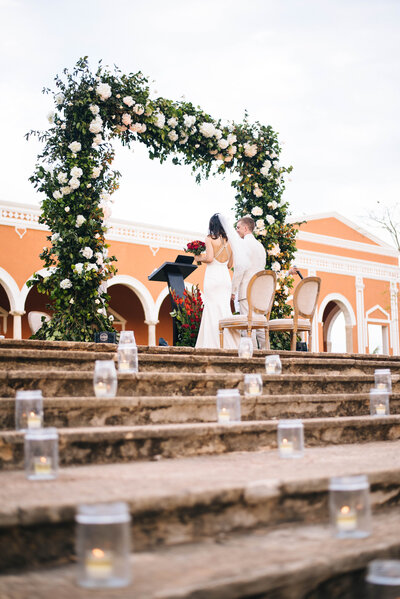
x: 245, y: 225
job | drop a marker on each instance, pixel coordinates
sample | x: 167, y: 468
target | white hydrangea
x: 189, y: 120
x: 75, y: 147
x: 104, y: 91
x: 172, y: 122
x: 128, y: 100
x: 257, y: 211
x: 207, y: 129
x: 270, y: 219
x: 66, y: 190
x: 96, y: 125
x: 76, y: 172
x: 126, y: 119
x: 94, y: 109
x: 275, y: 266
x: 65, y: 284
x: 223, y: 144
x: 57, y: 195
x: 87, y: 252
x: 78, y: 268
x: 59, y: 98
x: 96, y: 170
x: 272, y: 205
x: 160, y: 120
x: 231, y: 139
x: 62, y: 178
x: 74, y: 183
x: 173, y: 136
x: 250, y: 150
x: 257, y: 192
x: 80, y: 219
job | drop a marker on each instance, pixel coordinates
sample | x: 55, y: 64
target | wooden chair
x: 305, y: 300
x: 260, y: 297
x: 35, y: 320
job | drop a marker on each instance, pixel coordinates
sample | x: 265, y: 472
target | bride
x: 220, y: 256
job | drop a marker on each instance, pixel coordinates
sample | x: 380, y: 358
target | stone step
x: 106, y: 445
x: 73, y: 412
x: 37, y: 359
x: 187, y: 500
x: 55, y: 383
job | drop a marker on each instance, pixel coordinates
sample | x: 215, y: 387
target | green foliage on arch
x: 74, y: 174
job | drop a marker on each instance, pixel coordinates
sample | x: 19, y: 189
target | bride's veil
x: 239, y: 249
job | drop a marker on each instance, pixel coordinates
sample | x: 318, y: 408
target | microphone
x: 298, y: 272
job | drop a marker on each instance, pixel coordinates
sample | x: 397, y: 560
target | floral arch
x: 74, y: 174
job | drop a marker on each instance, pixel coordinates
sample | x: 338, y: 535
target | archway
x: 338, y: 320
x: 125, y: 302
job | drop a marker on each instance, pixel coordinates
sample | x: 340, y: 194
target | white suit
x: 256, y: 261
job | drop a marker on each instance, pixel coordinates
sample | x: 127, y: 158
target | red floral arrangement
x: 196, y: 247
x: 188, y: 312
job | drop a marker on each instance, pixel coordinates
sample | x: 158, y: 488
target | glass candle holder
x: 28, y: 409
x: 253, y: 385
x: 105, y: 378
x: 128, y: 358
x: 383, y: 579
x: 383, y: 379
x: 103, y: 545
x: 379, y: 402
x: 127, y: 337
x: 349, y: 506
x: 245, y: 347
x: 228, y: 406
x: 290, y: 438
x: 41, y: 454
x: 273, y: 364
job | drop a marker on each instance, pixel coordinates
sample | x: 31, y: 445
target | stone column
x: 394, y: 310
x: 315, y: 332
x: 17, y: 329
x: 361, y: 333
x: 152, y: 331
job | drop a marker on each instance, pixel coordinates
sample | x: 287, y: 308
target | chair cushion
x: 240, y: 319
x: 280, y: 323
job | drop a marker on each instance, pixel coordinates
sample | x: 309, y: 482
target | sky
x: 323, y: 73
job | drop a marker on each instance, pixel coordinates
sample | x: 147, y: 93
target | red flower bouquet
x: 196, y: 247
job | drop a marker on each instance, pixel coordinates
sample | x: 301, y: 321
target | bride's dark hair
x: 215, y: 229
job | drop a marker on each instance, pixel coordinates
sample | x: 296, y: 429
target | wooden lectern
x: 174, y: 273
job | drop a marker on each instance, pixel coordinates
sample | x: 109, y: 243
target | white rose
x: 183, y: 140
x: 111, y: 318
x: 74, y: 183
x: 263, y: 232
x: 55, y: 237
x: 96, y: 125
x: 76, y: 172
x: 232, y: 150
x: 270, y: 219
x: 99, y: 258
x: 128, y: 100
x: 66, y: 190
x: 257, y: 211
x: 105, y: 197
x: 231, y: 139
x: 65, y: 284
x: 135, y: 128
x: 272, y: 204
x: 260, y: 223
x: 104, y: 91
x: 105, y: 252
x: 80, y: 219
x: 218, y: 133
x: 50, y: 116
x: 87, y: 252
x: 275, y: 250
x: 138, y: 109
x: 72, y: 301
x: 276, y: 266
x: 63, y: 126
x: 96, y: 170
x: 265, y: 171
x: 97, y: 301
x: 173, y: 135
x: 257, y: 192
x: 160, y: 120
x: 75, y: 147
x: 62, y: 178
x: 172, y: 122
x: 100, y: 311
x: 57, y: 195
x: 142, y: 128
x: 67, y: 208
x: 223, y: 144
x: 276, y: 166
x: 94, y: 109
x: 189, y: 120
x: 228, y: 158
x: 59, y: 98
x: 207, y: 129
x: 126, y: 119
x: 250, y: 150
x: 79, y: 268
x: 97, y: 140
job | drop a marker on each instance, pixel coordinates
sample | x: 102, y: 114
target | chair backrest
x: 35, y: 320
x: 261, y: 292
x: 305, y: 297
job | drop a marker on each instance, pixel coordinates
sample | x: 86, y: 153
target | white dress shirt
x: 257, y: 260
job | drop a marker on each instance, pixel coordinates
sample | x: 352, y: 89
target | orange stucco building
x: 360, y: 278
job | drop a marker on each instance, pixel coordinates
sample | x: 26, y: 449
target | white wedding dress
x: 217, y: 300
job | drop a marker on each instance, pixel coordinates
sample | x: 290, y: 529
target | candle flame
x: 42, y: 460
x: 32, y: 414
x: 284, y: 441
x: 98, y: 553
x: 345, y: 509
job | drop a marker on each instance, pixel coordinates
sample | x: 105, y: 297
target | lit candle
x: 123, y: 366
x: 253, y: 388
x: 270, y: 369
x: 100, y: 388
x: 34, y: 420
x: 381, y: 386
x: 286, y: 447
x: 42, y: 466
x: 346, y: 519
x: 99, y: 563
x: 224, y: 415
x: 380, y: 409
x: 245, y: 354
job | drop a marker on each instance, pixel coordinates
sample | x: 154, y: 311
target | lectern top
x: 173, y: 268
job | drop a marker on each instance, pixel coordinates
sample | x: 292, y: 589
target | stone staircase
x: 223, y: 516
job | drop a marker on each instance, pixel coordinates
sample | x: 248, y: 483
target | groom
x: 257, y: 260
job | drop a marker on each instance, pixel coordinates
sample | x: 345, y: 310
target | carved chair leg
x: 267, y: 343
x: 293, y: 339
x: 309, y: 339
x: 221, y: 337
